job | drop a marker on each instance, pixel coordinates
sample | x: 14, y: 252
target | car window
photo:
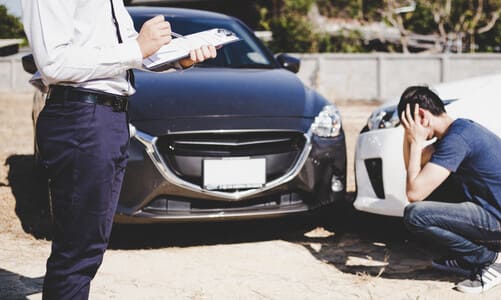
x: 246, y: 53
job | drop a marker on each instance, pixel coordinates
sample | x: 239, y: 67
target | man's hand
x: 154, y: 34
x: 415, y: 130
x: 422, y: 177
x: 198, y: 55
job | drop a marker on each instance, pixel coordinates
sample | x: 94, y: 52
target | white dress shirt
x: 75, y: 43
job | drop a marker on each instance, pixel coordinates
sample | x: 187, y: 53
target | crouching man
x: 471, y: 230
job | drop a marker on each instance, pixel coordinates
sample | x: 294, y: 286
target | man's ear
x: 425, y: 117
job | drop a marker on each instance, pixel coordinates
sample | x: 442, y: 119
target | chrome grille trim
x: 182, y: 142
x: 149, y: 142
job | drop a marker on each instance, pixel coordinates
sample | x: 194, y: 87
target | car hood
x: 209, y: 92
x: 473, y: 98
x: 461, y: 90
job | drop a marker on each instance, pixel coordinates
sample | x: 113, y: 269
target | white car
x: 379, y: 165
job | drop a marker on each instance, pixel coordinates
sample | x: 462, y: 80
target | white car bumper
x: 380, y: 172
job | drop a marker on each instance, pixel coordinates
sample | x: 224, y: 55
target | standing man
x: 471, y: 230
x: 84, y: 50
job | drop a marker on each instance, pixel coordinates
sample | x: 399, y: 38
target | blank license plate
x: 231, y: 173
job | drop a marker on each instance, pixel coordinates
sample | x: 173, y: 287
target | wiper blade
x: 202, y: 65
x: 252, y: 66
x: 242, y: 66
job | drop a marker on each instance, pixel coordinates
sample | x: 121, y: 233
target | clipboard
x: 180, y: 47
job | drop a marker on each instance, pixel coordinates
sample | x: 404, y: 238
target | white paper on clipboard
x: 180, y: 47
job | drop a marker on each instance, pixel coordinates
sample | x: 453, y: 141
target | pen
x: 176, y: 35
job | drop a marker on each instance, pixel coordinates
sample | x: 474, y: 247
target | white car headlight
x: 132, y: 130
x: 384, y: 118
x: 327, y: 123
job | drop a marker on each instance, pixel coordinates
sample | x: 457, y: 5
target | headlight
x: 384, y: 118
x: 327, y: 123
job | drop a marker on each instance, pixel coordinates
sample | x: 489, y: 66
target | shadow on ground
x: 352, y: 241
x: 374, y: 246
x: 31, y: 196
x: 15, y: 285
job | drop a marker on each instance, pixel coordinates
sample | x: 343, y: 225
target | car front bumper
x: 380, y: 172
x: 154, y: 192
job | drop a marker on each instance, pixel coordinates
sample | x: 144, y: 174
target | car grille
x: 184, y: 153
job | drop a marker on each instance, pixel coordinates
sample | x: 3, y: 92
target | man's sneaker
x: 482, y: 281
x: 450, y: 265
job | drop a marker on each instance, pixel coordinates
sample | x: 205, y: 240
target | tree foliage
x: 359, y: 9
x: 458, y: 25
x: 466, y: 19
x: 458, y: 22
x: 10, y: 26
x: 293, y: 30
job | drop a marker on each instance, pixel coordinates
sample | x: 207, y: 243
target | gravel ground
x: 345, y: 255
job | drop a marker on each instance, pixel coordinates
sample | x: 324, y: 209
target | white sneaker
x: 484, y: 280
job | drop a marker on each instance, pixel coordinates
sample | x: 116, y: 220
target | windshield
x: 246, y: 53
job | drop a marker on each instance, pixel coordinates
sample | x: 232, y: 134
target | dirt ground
x: 340, y: 255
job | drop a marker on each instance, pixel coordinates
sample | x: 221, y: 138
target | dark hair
x: 423, y: 96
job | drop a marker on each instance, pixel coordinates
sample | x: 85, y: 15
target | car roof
x: 175, y: 12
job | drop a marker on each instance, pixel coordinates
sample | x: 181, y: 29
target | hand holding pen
x: 157, y: 32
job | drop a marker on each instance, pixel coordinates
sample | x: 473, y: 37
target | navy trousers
x: 470, y: 233
x: 83, y: 148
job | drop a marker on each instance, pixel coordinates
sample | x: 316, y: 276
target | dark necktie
x: 130, y: 74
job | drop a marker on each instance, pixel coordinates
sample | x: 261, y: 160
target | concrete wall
x: 12, y: 76
x: 344, y: 76
x: 382, y: 76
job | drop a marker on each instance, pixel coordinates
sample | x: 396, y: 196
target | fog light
x: 166, y: 205
x: 336, y: 184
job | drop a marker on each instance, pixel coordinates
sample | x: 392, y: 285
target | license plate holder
x: 234, y: 173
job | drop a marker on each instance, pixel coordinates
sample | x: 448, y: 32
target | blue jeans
x: 468, y: 231
x: 83, y: 148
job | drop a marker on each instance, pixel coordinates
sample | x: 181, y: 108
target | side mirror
x: 29, y: 64
x: 288, y: 62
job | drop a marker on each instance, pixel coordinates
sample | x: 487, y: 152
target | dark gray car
x: 236, y: 137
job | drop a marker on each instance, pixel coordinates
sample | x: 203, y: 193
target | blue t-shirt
x: 474, y: 154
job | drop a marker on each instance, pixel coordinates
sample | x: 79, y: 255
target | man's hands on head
x: 156, y: 32
x: 417, y: 128
x: 422, y: 177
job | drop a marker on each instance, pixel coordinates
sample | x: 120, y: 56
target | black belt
x: 61, y: 93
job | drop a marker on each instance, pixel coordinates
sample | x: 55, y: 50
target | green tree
x: 292, y: 31
x: 10, y: 26
x: 462, y: 21
x: 491, y: 40
x: 346, y: 41
x: 470, y: 25
x: 341, y: 8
